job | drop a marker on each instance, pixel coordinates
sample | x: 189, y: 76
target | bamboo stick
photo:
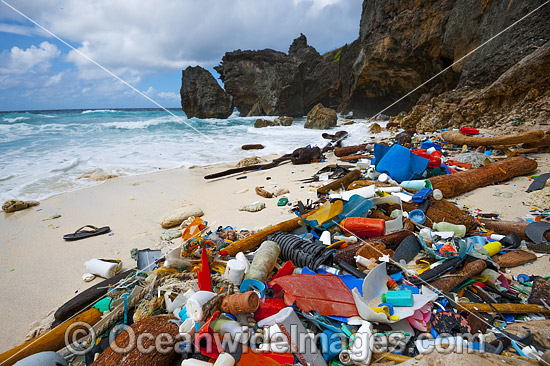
x: 53, y: 340
x: 503, y: 308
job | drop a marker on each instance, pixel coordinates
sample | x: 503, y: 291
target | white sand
x: 40, y: 271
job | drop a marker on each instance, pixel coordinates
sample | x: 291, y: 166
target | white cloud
x: 54, y: 79
x: 149, y: 36
x: 169, y: 95
x: 19, y: 61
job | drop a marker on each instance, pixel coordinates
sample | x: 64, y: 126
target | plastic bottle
x: 493, y: 248
x: 437, y: 194
x: 364, y: 226
x: 264, y: 261
x: 459, y: 230
x: 399, y: 298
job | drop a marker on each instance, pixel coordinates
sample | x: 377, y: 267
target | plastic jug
x: 459, y: 230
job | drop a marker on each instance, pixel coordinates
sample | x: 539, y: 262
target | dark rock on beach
x: 201, y: 96
x: 17, y: 205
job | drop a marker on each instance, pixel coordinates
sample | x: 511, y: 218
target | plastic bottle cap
x: 437, y: 194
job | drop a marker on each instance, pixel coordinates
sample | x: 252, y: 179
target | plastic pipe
x: 105, y: 268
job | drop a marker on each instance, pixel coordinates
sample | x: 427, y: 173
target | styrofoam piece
x: 234, y: 271
x: 241, y: 257
x: 195, y: 303
x: 105, y: 268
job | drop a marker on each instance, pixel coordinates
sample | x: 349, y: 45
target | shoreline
x: 41, y: 271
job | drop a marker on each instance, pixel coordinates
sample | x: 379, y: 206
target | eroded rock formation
x: 201, y: 96
x: 401, y: 45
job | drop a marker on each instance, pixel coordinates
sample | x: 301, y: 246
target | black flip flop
x: 82, y: 234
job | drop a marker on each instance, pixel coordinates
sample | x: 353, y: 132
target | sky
x: 145, y: 43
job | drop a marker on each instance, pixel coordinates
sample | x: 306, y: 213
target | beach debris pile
x: 381, y: 268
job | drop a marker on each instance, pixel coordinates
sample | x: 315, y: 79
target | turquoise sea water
x: 43, y: 153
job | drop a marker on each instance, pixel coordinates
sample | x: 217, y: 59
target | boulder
x: 179, y: 215
x: 321, y: 118
x: 17, y: 205
x: 202, y: 96
x: 261, y: 123
x: 284, y: 121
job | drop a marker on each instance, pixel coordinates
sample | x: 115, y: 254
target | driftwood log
x: 470, y: 269
x: 273, y: 164
x: 339, y: 183
x: 443, y: 210
x: 508, y: 227
x: 86, y: 298
x: 353, y: 157
x: 505, y: 140
x: 252, y: 147
x: 544, y: 142
x: 347, y: 150
x: 454, y: 184
x: 52, y: 340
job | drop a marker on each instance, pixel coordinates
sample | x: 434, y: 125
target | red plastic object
x: 269, y: 307
x: 203, y: 275
x: 459, y: 164
x: 285, y: 270
x: 434, y: 158
x: 469, y: 131
x: 326, y: 294
x: 204, y: 336
x: 364, y: 227
x: 254, y: 358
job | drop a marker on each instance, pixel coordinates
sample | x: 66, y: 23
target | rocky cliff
x: 401, y: 45
x: 201, y: 96
x: 267, y: 77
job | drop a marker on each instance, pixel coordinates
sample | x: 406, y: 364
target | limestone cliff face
x: 201, y: 96
x: 401, y: 45
x: 267, y: 77
x: 405, y: 42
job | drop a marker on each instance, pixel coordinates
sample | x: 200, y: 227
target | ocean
x: 43, y: 153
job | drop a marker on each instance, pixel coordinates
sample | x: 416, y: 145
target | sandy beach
x: 41, y: 271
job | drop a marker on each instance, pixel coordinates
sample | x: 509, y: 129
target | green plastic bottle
x: 459, y: 230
